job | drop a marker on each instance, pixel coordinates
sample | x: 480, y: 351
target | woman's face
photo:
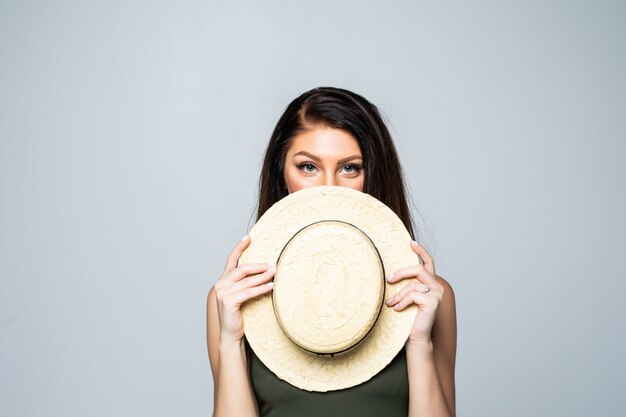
x: 323, y: 156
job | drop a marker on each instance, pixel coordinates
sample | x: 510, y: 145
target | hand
x: 422, y: 289
x: 237, y: 285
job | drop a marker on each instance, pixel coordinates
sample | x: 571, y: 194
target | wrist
x: 227, y: 344
x: 422, y: 346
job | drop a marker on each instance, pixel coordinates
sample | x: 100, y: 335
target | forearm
x: 426, y: 397
x: 234, y: 395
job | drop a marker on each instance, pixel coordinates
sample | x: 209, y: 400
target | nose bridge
x: 329, y: 178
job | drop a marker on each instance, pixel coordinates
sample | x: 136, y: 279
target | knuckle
x: 219, y: 294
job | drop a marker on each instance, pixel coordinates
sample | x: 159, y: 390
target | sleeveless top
x: 385, y: 394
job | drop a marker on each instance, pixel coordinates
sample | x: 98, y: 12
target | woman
x: 331, y: 136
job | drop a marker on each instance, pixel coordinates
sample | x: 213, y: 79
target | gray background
x: 131, y: 142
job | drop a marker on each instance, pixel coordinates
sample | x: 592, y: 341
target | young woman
x: 331, y: 136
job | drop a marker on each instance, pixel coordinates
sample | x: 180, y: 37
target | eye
x: 352, y: 168
x: 306, y: 167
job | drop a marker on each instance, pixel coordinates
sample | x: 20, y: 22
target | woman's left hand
x: 422, y: 289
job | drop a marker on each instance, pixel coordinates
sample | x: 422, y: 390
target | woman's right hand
x: 237, y: 285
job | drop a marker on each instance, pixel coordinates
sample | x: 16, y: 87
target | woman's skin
x: 329, y: 156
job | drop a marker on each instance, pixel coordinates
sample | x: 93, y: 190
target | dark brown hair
x: 340, y: 109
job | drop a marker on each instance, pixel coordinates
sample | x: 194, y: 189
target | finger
x: 249, y: 293
x: 414, y: 271
x: 253, y: 280
x: 233, y: 258
x: 244, y: 270
x: 428, y: 261
x: 413, y: 297
x: 414, y: 285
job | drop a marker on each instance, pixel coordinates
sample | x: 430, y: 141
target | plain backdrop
x: 131, y: 138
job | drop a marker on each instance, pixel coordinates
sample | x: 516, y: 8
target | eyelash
x: 356, y: 168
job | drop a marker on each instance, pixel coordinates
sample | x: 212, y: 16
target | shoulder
x: 211, y: 307
x: 212, y: 331
x: 213, y: 323
x: 444, y: 328
x: 447, y: 306
x: 211, y: 295
x: 447, y: 288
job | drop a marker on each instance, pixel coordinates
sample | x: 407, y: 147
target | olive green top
x: 385, y: 394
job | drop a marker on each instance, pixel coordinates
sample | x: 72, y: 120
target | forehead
x: 325, y: 142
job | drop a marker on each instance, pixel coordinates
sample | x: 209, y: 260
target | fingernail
x: 244, y: 238
x: 269, y: 284
x: 271, y: 268
x: 388, y: 300
x: 390, y: 277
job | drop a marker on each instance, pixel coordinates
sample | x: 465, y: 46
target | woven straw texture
x: 333, y: 247
x: 328, y: 299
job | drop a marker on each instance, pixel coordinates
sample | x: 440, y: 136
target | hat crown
x: 328, y: 287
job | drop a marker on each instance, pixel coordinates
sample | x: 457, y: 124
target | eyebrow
x: 341, y: 161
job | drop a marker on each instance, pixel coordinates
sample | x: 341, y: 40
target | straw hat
x: 325, y: 325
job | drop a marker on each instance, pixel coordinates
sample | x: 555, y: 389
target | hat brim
x: 269, y: 236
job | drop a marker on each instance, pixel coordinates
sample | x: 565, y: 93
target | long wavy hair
x: 341, y: 109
